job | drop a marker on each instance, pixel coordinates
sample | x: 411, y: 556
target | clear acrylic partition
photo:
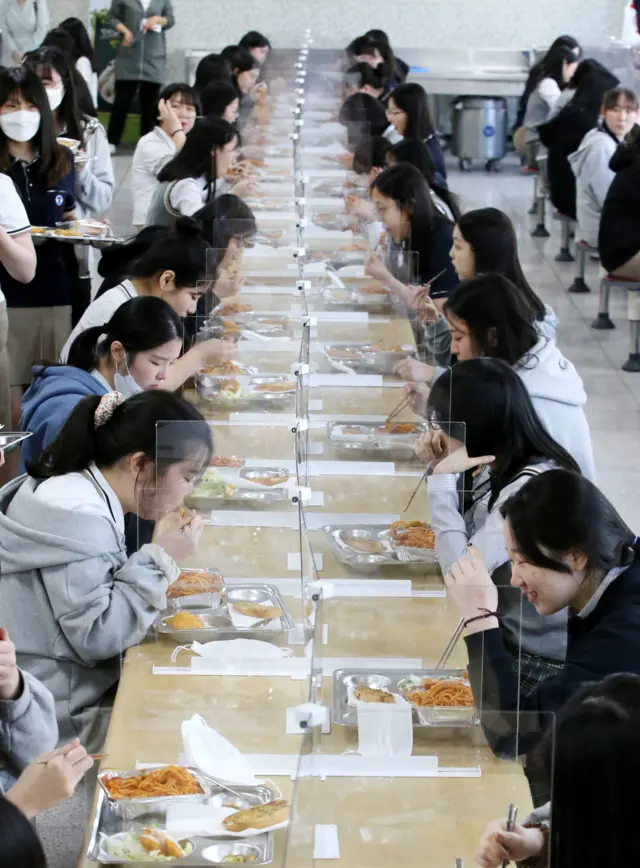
x: 394, y: 783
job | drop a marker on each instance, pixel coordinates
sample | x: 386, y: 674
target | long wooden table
x: 380, y: 820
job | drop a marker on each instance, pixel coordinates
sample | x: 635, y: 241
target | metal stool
x: 582, y: 250
x: 540, y: 230
x: 565, y: 254
x: 603, y: 321
x: 527, y: 170
x: 632, y: 365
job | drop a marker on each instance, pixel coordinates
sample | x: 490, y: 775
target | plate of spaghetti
x: 133, y: 794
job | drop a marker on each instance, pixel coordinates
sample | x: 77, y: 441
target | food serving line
x: 316, y: 561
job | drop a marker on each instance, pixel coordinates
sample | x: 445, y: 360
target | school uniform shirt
x: 100, y: 312
x: 483, y: 527
x: 152, y: 153
x: 539, y: 105
x: 602, y: 639
x: 434, y: 261
x: 13, y: 216
x: 74, y: 601
x: 84, y: 67
x: 45, y: 206
x: 183, y: 198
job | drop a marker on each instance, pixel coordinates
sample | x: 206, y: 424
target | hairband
x: 106, y: 407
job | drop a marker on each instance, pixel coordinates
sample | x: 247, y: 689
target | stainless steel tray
x: 106, y: 823
x: 366, y: 357
x: 235, y: 477
x: 265, y: 325
x: 386, y: 549
x: 219, y: 623
x: 366, y: 437
x: 130, y: 809
x: 9, y: 440
x: 210, y: 388
x: 350, y: 299
x: 395, y: 680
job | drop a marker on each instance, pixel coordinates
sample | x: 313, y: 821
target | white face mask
x: 55, y: 96
x: 20, y: 126
x: 125, y: 383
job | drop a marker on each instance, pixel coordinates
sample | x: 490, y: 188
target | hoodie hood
x: 49, y: 401
x: 549, y: 376
x: 546, y: 327
x: 596, y: 140
x: 26, y: 547
x: 51, y: 384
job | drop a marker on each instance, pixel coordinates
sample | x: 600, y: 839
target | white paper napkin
x: 244, y: 622
x: 207, y: 750
x: 239, y: 649
x: 184, y: 820
x: 385, y: 730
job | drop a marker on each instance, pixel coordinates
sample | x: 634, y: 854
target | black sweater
x: 619, y: 237
x: 562, y: 136
x: 605, y: 642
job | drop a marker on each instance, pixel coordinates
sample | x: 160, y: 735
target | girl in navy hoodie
x: 129, y: 354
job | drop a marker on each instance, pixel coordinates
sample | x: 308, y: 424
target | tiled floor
x: 613, y: 406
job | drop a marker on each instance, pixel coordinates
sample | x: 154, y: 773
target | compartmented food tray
x: 245, y: 484
x: 234, y: 324
x: 400, y: 682
x: 76, y: 232
x: 372, y: 545
x: 373, y: 358
x: 218, y: 623
x: 257, y: 850
x: 374, y: 299
x: 372, y: 437
x: 232, y: 391
x: 10, y: 440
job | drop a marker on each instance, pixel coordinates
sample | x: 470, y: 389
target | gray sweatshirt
x: 28, y: 728
x: 590, y: 164
x: 484, y: 528
x: 23, y: 27
x: 74, y: 601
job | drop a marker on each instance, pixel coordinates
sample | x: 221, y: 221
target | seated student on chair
x: 590, y: 162
x: 76, y: 602
x: 178, y: 107
x: 619, y: 232
x: 408, y: 112
x: 489, y: 316
x: 554, y: 73
x: 562, y: 135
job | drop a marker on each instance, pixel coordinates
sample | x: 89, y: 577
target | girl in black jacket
x: 619, y: 236
x: 569, y: 549
x: 562, y: 135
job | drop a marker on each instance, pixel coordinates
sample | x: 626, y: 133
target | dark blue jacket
x: 47, y: 403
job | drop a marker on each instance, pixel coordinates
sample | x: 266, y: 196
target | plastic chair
x: 582, y: 251
x: 565, y: 254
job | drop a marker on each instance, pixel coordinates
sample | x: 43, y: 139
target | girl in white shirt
x: 178, y: 106
x: 556, y: 72
x: 196, y: 174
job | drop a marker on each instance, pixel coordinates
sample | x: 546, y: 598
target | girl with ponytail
x: 132, y: 352
x: 74, y: 599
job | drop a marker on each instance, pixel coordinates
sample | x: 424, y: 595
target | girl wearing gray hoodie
x: 590, y: 163
x: 73, y: 598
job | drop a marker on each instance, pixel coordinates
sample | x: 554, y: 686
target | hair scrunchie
x: 106, y: 407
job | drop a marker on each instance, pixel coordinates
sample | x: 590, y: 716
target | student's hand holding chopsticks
x: 431, y: 447
x: 51, y: 779
x: 421, y: 302
x: 414, y: 371
x: 180, y: 534
x: 471, y: 587
x: 459, y: 461
x: 376, y: 268
x: 417, y: 395
x: 497, y: 845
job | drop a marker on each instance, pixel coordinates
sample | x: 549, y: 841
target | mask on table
x: 20, y: 126
x: 125, y: 383
x: 55, y: 95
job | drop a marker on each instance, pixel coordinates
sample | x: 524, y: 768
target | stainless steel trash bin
x: 479, y: 126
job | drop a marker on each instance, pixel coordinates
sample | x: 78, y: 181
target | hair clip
x: 106, y: 407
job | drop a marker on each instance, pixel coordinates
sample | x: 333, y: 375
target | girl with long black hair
x: 571, y: 554
x: 418, y: 232
x: 95, y: 182
x: 83, y: 54
x: 408, y: 112
x: 196, y: 174
x: 495, y: 426
x: 416, y: 153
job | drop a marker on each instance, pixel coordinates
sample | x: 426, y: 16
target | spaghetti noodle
x: 438, y: 692
x: 166, y: 781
